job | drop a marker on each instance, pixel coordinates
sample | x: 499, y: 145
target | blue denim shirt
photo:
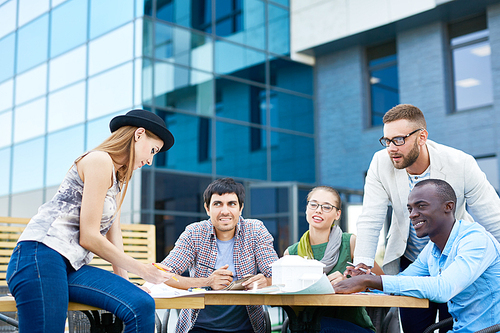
x: 466, y: 275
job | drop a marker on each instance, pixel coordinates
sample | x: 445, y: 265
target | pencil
x: 162, y: 269
x: 360, y: 268
x: 199, y: 263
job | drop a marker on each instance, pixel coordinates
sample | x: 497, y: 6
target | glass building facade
x: 217, y: 71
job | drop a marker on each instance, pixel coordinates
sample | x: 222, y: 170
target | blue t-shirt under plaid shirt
x: 253, y: 253
x: 415, y: 244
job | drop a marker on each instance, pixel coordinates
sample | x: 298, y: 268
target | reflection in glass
x: 7, y: 53
x: 168, y: 229
x: 28, y: 160
x: 63, y: 148
x: 29, y: 120
x: 183, y: 47
x: 100, y: 19
x: 291, y: 112
x: 6, y: 91
x: 5, y: 129
x: 8, y: 15
x: 240, y: 101
x: 192, y: 149
x: 472, y: 74
x: 282, y: 2
x: 291, y: 75
x: 110, y: 92
x: 4, y: 171
x: 147, y: 81
x: 269, y: 200
x: 32, y: 43
x: 98, y: 130
x: 68, y: 68
x: 55, y: 3
x: 111, y: 49
x: 29, y: 9
x: 235, y: 156
x: 292, y: 158
x: 69, y: 19
x: 66, y: 107
x: 384, y: 82
x: 31, y: 84
x: 181, y: 88
x: 235, y: 60
x: 279, y: 30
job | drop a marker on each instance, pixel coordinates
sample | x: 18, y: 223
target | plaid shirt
x: 253, y: 252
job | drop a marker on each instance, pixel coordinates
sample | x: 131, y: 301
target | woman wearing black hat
x: 48, y: 267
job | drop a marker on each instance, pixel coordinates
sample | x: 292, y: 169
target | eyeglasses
x: 397, y: 141
x: 326, y: 208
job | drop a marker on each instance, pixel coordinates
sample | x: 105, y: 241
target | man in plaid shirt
x: 218, y: 250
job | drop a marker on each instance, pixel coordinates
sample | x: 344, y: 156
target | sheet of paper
x: 164, y: 291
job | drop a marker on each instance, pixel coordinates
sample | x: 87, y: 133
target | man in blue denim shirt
x: 461, y: 264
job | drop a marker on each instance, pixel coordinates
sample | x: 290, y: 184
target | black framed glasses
x: 397, y: 141
x: 326, y: 208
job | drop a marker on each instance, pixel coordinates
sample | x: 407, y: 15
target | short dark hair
x: 443, y: 189
x: 222, y: 186
x: 408, y: 112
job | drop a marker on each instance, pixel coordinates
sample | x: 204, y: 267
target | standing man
x: 460, y: 265
x: 218, y: 250
x: 410, y: 157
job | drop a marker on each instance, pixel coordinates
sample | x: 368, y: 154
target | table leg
x: 304, y: 320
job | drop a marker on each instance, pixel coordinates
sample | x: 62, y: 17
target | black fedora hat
x: 147, y: 120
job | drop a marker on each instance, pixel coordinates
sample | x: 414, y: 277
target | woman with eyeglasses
x: 325, y: 241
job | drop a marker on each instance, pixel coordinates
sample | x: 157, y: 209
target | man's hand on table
x: 220, y: 278
x: 256, y: 282
x: 358, y: 283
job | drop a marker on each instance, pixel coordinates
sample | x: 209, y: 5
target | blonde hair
x: 121, y: 144
x: 327, y: 189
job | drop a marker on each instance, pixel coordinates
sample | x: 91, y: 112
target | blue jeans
x: 43, y: 282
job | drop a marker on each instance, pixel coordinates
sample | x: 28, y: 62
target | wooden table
x: 302, y: 310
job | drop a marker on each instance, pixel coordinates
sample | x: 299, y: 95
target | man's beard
x: 408, y: 159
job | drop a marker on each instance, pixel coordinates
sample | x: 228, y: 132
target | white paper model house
x: 295, y: 273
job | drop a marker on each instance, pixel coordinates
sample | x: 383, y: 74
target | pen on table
x: 161, y: 268
x: 201, y: 264
x: 360, y: 268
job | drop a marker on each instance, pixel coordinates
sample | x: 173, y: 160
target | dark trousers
x: 417, y: 320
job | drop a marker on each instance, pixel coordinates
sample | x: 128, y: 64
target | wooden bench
x: 138, y: 241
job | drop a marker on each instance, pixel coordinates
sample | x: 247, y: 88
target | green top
x: 356, y: 315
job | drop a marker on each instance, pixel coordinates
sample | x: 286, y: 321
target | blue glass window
x: 228, y: 17
x: 181, y: 88
x: 29, y: 9
x: 109, y: 14
x: 28, y: 160
x: 192, y: 149
x: 69, y: 19
x: 239, y: 101
x: 63, y: 148
x: 118, y: 94
x: 8, y: 15
x: 279, y: 30
x: 471, y: 54
x: 242, y: 62
x: 98, y: 130
x: 29, y: 120
x: 6, y: 91
x: 384, y: 83
x: 5, y: 129
x: 291, y: 112
x: 183, y: 46
x: 4, y: 171
x: 291, y: 75
x: 201, y: 15
x: 7, y: 53
x: 292, y: 158
x: 234, y: 154
x: 32, y: 43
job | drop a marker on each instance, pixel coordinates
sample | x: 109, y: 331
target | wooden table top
x: 8, y: 304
